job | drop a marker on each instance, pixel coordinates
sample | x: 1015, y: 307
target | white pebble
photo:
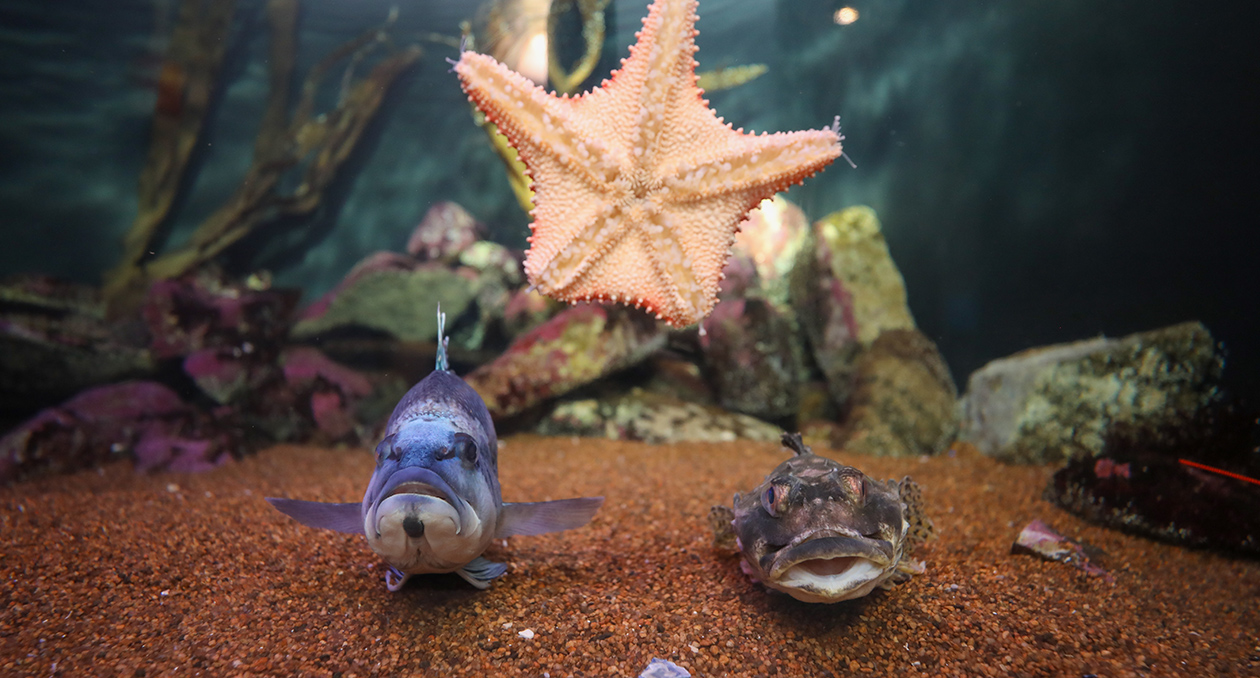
x: 527, y: 634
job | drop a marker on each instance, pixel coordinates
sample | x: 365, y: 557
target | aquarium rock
x: 904, y: 402
x: 655, y: 418
x: 330, y: 389
x: 54, y: 342
x: 446, y: 230
x: 752, y: 358
x: 219, y: 373
x: 1058, y: 402
x: 527, y: 309
x: 851, y: 247
x: 577, y: 347
x: 769, y: 243
x: 389, y: 299
x: 143, y: 420
x: 205, y: 309
x: 847, y: 292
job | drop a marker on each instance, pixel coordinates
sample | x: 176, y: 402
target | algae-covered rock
x: 904, y: 402
x: 575, y: 348
x: 446, y: 230
x: 824, y: 309
x: 770, y: 240
x: 400, y: 303
x: 851, y: 247
x: 654, y: 418
x: 752, y: 358
x: 55, y: 342
x: 846, y: 291
x: 1057, y: 402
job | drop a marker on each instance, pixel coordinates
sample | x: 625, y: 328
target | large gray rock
x: 1057, y: 402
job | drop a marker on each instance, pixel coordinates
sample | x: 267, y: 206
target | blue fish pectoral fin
x: 346, y: 518
x: 546, y: 516
x: 394, y: 578
x: 480, y: 572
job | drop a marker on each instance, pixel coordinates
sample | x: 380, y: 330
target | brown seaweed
x: 315, y: 145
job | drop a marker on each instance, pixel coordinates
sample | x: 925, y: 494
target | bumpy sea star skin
x: 639, y: 188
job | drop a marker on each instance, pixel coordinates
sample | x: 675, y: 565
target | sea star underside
x: 639, y: 188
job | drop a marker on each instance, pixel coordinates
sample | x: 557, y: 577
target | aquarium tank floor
x: 112, y: 573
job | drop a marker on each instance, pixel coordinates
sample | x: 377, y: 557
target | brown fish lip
x: 831, y: 555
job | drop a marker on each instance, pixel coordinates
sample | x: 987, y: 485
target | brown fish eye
x: 857, y: 486
x: 774, y: 500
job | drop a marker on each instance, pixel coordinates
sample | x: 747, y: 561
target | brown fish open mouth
x: 831, y: 560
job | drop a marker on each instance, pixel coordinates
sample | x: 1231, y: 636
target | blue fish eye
x: 465, y: 448
x: 386, y: 450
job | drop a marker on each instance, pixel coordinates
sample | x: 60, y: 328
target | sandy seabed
x: 107, y: 573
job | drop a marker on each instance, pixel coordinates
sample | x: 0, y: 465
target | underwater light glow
x: 845, y: 16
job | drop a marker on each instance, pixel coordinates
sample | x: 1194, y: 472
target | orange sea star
x: 639, y: 188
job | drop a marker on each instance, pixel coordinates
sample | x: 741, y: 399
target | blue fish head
x: 433, y: 501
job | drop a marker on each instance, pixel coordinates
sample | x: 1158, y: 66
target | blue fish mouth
x: 415, y: 480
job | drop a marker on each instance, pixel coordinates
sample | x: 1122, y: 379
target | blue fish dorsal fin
x: 442, y: 363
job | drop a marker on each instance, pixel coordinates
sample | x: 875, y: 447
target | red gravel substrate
x: 111, y: 574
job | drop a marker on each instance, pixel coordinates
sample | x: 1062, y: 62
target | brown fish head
x: 821, y: 531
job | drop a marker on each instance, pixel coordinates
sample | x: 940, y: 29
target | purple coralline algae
x: 577, y: 347
x: 142, y: 419
x: 203, y: 310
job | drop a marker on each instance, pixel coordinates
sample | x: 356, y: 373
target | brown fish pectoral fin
x: 908, y: 567
x: 921, y: 527
x: 721, y: 520
x: 525, y: 519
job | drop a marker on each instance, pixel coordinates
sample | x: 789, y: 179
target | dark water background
x: 1045, y: 170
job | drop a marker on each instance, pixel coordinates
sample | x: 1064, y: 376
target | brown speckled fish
x: 823, y: 532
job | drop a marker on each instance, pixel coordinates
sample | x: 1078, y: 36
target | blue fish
x: 433, y: 504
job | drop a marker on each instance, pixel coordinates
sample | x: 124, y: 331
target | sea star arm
x: 539, y: 126
x: 762, y: 165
